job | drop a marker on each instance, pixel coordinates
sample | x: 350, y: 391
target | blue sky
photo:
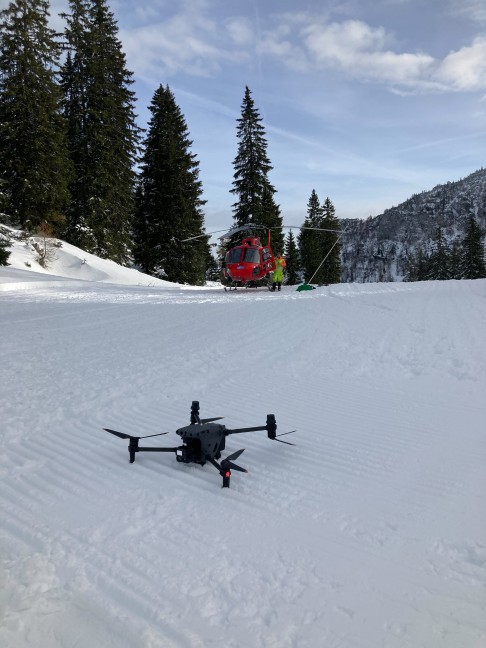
x: 365, y: 101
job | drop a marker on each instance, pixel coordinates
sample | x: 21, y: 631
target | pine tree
x: 103, y: 135
x: 33, y: 155
x: 255, y: 204
x: 271, y: 219
x: 4, y: 253
x: 418, y: 266
x: 308, y: 238
x: 319, y: 250
x: 293, y: 260
x: 329, y: 241
x: 75, y: 82
x: 472, y: 262
x: 455, y: 260
x: 439, y: 262
x: 212, y: 268
x: 169, y: 198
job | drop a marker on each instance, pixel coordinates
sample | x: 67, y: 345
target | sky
x: 364, y: 101
x: 368, y: 533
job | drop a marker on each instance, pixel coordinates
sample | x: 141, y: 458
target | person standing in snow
x: 278, y: 273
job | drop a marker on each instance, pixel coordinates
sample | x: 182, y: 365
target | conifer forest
x: 76, y: 165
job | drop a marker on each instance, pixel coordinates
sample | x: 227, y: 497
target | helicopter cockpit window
x: 266, y: 254
x: 251, y: 256
x: 233, y: 256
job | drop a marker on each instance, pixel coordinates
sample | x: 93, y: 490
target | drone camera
x: 189, y: 453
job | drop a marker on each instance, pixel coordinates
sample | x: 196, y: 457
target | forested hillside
x: 385, y: 247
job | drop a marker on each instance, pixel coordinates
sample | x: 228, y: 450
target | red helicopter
x: 250, y: 262
x: 247, y: 263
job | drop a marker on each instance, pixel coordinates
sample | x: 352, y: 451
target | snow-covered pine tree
x: 34, y: 161
x: 169, y: 198
x: 255, y: 194
x: 104, y: 137
x: 472, y: 262
x: 4, y: 244
x: 292, y: 258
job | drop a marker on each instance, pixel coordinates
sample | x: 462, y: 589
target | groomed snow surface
x: 369, y: 533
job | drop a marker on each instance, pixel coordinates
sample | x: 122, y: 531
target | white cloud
x: 187, y: 42
x: 240, y: 30
x: 473, y: 9
x: 359, y: 49
x: 194, y: 41
x: 466, y: 68
x: 368, y: 54
x: 278, y: 44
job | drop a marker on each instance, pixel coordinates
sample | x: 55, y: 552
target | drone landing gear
x: 224, y: 468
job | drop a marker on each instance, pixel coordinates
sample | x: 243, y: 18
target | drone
x: 203, y: 440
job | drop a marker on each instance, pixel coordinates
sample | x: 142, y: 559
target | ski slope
x: 370, y: 532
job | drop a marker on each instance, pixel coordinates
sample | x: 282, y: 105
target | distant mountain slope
x: 377, y: 249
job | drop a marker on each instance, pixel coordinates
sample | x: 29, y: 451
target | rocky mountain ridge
x: 380, y: 248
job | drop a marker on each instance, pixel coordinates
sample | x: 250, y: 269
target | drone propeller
x: 229, y: 461
x: 122, y: 435
x: 133, y: 442
x: 227, y: 465
x: 283, y: 434
x: 286, y: 442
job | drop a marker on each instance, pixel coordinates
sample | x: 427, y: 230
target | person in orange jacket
x: 278, y: 273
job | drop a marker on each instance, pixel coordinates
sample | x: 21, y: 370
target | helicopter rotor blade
x: 241, y: 228
x: 193, y: 238
x: 210, y: 420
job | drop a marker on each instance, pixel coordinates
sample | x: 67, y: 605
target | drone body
x: 203, y: 441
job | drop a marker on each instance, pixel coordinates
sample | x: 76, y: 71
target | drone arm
x: 270, y: 428
x: 249, y: 429
x: 155, y: 449
x: 214, y: 463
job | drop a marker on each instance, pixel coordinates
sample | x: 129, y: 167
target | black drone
x: 203, y: 440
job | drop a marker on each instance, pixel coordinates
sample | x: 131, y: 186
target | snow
x: 370, y: 532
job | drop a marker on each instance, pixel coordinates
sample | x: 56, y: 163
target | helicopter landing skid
x: 234, y: 285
